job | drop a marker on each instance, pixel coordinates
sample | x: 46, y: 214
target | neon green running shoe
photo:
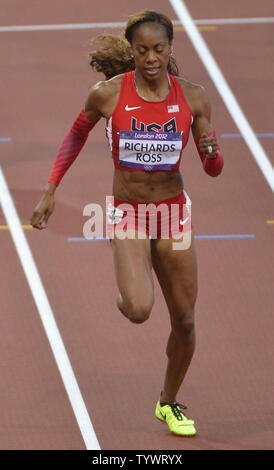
x: 172, y: 414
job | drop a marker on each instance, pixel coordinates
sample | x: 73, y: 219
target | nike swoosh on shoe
x: 164, y: 416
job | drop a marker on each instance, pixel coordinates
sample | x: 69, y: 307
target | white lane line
x: 269, y: 19
x: 52, y: 27
x: 223, y: 88
x: 47, y: 317
x: 120, y: 24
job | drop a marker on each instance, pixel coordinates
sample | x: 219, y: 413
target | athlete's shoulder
x: 102, y: 93
x: 195, y: 94
x: 194, y: 89
x: 105, y: 88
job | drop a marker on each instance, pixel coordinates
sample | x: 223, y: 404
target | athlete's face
x: 151, y: 49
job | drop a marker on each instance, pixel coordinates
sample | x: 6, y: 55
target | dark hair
x: 113, y: 56
x: 151, y: 17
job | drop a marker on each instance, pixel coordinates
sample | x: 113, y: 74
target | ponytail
x: 112, y: 57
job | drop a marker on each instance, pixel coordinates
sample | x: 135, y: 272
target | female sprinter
x: 143, y: 101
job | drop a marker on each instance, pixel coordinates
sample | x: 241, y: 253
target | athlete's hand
x: 205, y: 142
x: 44, y: 208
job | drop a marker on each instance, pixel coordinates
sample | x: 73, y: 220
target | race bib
x: 149, y: 151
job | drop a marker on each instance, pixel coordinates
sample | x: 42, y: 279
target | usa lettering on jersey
x: 170, y: 126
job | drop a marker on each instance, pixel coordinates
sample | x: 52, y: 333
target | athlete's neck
x: 152, y: 90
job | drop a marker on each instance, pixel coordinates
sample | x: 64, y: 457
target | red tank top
x: 145, y: 135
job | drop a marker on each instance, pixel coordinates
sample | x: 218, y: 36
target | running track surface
x: 119, y: 366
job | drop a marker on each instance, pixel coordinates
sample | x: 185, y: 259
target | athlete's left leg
x: 176, y: 271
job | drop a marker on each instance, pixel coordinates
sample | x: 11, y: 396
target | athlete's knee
x: 183, y: 322
x: 139, y: 312
x: 188, y: 326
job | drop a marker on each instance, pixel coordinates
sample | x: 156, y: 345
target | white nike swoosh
x: 130, y: 109
x: 182, y: 222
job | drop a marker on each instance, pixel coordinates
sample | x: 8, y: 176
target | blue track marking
x: 246, y: 235
x: 82, y: 239
x: 226, y: 236
x: 239, y: 136
x: 5, y: 139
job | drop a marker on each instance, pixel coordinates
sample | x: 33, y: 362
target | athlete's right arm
x: 69, y: 150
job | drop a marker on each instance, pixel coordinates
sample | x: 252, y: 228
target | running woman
x: 149, y: 112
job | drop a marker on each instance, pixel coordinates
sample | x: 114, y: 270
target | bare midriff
x: 146, y: 186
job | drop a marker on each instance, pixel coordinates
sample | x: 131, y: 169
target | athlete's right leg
x: 133, y: 270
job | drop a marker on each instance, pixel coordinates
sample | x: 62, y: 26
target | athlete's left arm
x: 204, y: 135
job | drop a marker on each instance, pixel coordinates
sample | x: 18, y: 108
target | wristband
x: 212, y: 166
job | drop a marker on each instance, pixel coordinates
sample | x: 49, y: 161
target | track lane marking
x: 263, y: 135
x: 225, y: 236
x: 224, y: 90
x: 47, y: 317
x: 200, y: 28
x: 6, y: 227
x: 121, y: 24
